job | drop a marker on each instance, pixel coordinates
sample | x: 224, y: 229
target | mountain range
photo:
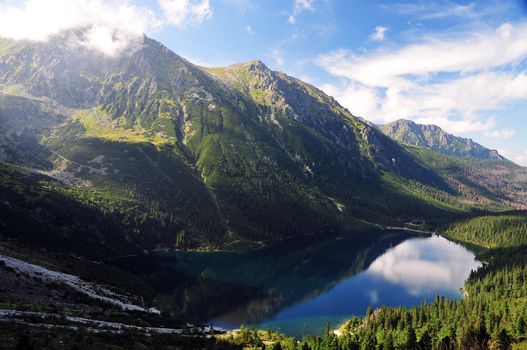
x: 433, y: 137
x: 104, y: 156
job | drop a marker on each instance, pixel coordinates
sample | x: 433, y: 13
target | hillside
x: 479, y: 181
x: 433, y: 137
x: 490, y: 316
x: 173, y: 155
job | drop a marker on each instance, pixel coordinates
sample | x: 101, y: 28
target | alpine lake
x: 301, y: 286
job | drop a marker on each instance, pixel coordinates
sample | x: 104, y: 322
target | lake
x: 298, y: 286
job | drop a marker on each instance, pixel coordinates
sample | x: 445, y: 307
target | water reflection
x: 300, y: 285
x: 413, y: 271
x: 425, y: 266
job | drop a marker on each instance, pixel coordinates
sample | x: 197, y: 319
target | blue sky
x: 458, y: 64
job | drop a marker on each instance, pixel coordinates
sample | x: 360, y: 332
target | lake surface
x: 298, y: 286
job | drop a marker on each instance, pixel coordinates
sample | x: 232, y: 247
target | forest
x: 491, y: 315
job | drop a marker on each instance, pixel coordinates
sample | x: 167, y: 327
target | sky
x: 461, y: 65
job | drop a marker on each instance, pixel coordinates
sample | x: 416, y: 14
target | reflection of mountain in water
x: 249, y: 287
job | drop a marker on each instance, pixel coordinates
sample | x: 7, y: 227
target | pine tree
x: 388, y: 342
x: 504, y: 340
x: 520, y: 325
x: 410, y: 340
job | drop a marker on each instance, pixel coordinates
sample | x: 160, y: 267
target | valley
x: 148, y: 202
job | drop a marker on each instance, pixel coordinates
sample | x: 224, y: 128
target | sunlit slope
x: 186, y: 156
x: 433, y: 137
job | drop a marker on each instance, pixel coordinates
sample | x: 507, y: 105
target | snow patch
x: 18, y: 316
x: 92, y: 290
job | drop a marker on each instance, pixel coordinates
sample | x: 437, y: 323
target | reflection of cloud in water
x: 424, y: 265
x: 373, y: 295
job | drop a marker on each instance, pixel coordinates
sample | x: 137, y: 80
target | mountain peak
x: 256, y: 65
x: 253, y: 66
x: 433, y: 137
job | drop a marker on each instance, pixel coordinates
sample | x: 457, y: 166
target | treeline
x: 492, y: 314
x: 487, y: 184
x: 491, y: 231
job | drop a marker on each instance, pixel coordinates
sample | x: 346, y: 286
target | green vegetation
x: 148, y: 151
x: 488, y: 185
x: 18, y: 337
x: 179, y: 156
x: 498, y: 231
x: 98, y: 124
x: 433, y: 137
x: 492, y: 315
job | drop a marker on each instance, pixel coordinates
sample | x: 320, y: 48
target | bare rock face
x: 433, y: 137
x: 171, y: 154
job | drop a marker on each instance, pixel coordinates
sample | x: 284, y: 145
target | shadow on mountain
x: 252, y: 286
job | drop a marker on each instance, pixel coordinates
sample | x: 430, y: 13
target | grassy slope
x: 493, y: 185
x: 432, y: 137
x: 188, y: 159
x: 353, y: 166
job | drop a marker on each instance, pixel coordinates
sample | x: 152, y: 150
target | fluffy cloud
x: 110, y: 26
x: 361, y: 100
x: 378, y: 33
x: 298, y: 7
x: 474, y: 51
x: 184, y: 12
x: 500, y: 134
x: 451, y: 81
x: 521, y: 158
x: 433, y: 9
x: 409, y: 265
x: 277, y: 55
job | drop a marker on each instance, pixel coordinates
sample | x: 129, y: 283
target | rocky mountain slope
x: 479, y: 174
x: 433, y: 137
x: 147, y: 151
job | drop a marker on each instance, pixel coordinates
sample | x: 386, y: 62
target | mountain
x: 479, y: 174
x: 433, y: 137
x: 104, y: 156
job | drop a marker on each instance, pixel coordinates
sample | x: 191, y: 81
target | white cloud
x: 500, y: 134
x: 360, y: 100
x: 242, y: 6
x: 109, y: 25
x: 182, y: 13
x: 249, y: 29
x: 434, y: 9
x: 435, y: 103
x: 378, y: 33
x: 474, y: 51
x: 460, y: 126
x: 452, y: 81
x: 410, y: 265
x: 504, y: 152
x: 277, y: 56
x: 521, y: 158
x: 373, y: 296
x: 300, y: 6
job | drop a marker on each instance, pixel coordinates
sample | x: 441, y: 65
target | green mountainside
x: 173, y: 155
x: 479, y: 182
x: 433, y: 137
x: 103, y: 157
x: 491, y: 315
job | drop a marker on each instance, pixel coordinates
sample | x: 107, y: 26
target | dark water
x: 299, y: 286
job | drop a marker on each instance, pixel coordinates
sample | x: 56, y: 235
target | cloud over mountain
x: 435, y: 77
x: 108, y: 26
